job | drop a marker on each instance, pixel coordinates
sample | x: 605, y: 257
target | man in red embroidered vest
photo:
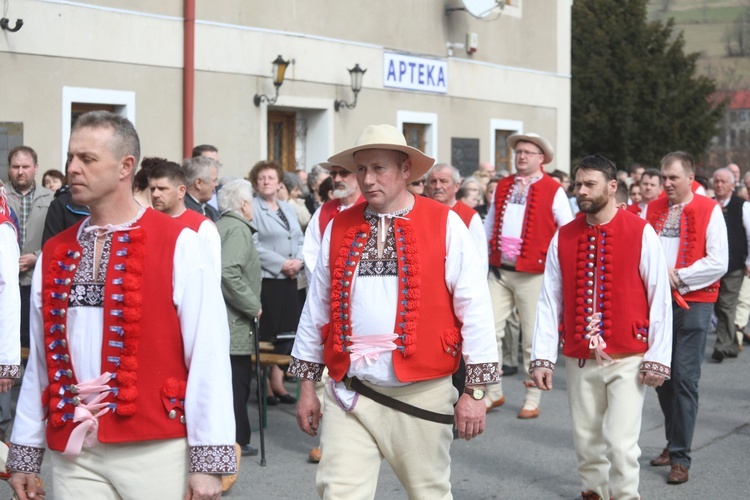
x: 401, y: 299
x: 527, y: 209
x: 693, y: 235
x: 168, y: 187
x: 10, y: 305
x: 606, y: 299
x: 347, y: 194
x: 129, y: 358
x: 443, y: 181
x: 650, y: 185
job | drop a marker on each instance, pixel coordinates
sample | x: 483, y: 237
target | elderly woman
x: 279, y: 242
x: 291, y: 192
x: 240, y: 285
x: 471, y: 192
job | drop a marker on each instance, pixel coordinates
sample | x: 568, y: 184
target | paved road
x: 517, y: 459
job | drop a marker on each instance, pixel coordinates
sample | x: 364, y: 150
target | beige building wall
x: 133, y: 50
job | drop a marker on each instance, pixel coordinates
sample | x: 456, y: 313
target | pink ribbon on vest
x: 510, y: 246
x: 368, y: 348
x: 87, y: 414
x: 598, y: 344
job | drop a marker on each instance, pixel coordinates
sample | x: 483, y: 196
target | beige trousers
x: 606, y: 403
x: 149, y: 469
x: 355, y: 443
x: 520, y: 290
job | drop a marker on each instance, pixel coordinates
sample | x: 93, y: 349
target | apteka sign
x: 414, y: 73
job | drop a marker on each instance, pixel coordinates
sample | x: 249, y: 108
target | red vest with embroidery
x: 464, y: 211
x: 330, y: 209
x: 595, y: 263
x: 693, y: 225
x: 429, y: 343
x: 538, y: 223
x: 192, y: 219
x: 141, y: 342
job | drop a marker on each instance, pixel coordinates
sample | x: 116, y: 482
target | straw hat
x: 538, y: 140
x: 384, y: 137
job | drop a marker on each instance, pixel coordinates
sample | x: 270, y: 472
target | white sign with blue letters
x: 415, y: 73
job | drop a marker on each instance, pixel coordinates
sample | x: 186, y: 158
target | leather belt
x: 354, y: 384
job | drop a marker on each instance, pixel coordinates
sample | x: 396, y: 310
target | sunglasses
x: 420, y: 182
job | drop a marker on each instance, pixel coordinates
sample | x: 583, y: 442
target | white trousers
x: 355, y: 443
x: 742, y: 313
x: 520, y: 290
x: 149, y: 469
x: 606, y: 403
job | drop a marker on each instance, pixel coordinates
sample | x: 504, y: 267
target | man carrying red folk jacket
x: 693, y: 235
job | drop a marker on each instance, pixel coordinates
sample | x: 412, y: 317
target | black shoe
x: 718, y: 355
x: 731, y: 354
x: 509, y: 370
x: 248, y: 451
x: 287, y: 399
x: 272, y: 401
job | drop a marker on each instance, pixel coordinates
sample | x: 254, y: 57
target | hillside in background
x: 717, y: 29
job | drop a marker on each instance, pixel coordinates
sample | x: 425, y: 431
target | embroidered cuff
x: 26, y: 459
x: 306, y: 370
x: 682, y: 288
x: 10, y: 371
x: 657, y: 368
x: 482, y: 373
x: 541, y: 363
x: 219, y: 459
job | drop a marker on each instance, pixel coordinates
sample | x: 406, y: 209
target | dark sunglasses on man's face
x: 340, y: 173
x: 418, y: 183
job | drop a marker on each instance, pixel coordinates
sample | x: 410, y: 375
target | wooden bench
x: 268, y: 360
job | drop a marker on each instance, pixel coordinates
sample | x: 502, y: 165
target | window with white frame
x: 420, y: 130
x: 500, y: 130
x: 79, y: 100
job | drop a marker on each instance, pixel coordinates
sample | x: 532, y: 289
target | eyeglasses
x: 420, y: 182
x: 522, y: 152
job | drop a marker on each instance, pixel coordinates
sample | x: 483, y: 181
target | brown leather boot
x: 590, y: 495
x: 662, y: 459
x: 678, y: 474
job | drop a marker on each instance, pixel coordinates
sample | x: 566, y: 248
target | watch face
x: 477, y: 394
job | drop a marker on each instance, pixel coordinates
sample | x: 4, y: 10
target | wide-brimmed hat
x: 384, y: 137
x: 544, y: 145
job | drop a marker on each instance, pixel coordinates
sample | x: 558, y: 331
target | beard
x: 343, y: 192
x: 592, y: 205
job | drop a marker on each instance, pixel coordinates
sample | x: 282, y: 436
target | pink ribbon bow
x: 510, y: 246
x: 368, y: 348
x: 598, y: 344
x: 87, y: 415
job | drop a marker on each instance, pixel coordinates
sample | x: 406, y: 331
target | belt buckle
x: 348, y: 383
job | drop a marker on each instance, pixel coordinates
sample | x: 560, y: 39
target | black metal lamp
x: 356, y: 74
x: 279, y: 68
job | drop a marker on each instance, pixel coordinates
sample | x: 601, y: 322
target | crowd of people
x: 402, y: 291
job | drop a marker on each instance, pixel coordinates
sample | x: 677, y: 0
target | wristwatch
x: 474, y: 392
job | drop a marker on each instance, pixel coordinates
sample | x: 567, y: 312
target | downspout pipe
x: 188, y: 79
